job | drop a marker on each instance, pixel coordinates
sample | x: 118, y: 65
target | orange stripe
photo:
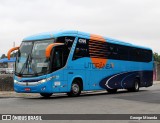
x: 97, y: 38
x: 95, y: 42
x: 93, y: 45
x: 97, y: 54
x: 49, y: 48
x: 101, y: 61
x: 10, y: 51
x: 97, y: 48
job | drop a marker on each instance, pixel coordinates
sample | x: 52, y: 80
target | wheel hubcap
x: 75, y: 88
x: 136, y: 86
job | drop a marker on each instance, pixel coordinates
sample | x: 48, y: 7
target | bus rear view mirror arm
x: 50, y: 47
x: 10, y: 51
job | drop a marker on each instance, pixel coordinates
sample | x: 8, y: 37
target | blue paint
x: 92, y: 77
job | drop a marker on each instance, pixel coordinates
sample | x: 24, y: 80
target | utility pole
x: 14, y: 55
x: 14, y: 44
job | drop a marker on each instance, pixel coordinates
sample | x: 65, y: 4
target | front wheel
x: 46, y: 95
x: 75, y: 89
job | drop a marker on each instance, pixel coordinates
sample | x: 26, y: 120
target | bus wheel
x: 112, y: 90
x: 135, y: 87
x: 75, y: 89
x: 46, y: 95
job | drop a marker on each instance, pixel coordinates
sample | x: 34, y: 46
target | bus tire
x: 46, y: 95
x: 75, y: 88
x: 112, y: 90
x: 135, y: 86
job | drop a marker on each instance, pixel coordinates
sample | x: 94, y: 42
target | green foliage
x: 156, y: 57
x: 12, y: 55
x: 3, y: 56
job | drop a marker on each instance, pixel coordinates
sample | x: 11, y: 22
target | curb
x: 156, y: 82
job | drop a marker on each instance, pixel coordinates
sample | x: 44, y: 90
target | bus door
x: 59, y: 62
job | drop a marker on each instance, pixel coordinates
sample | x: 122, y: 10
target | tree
x: 3, y: 56
x: 156, y: 57
x: 14, y: 54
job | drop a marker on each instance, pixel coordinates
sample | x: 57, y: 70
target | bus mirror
x: 10, y: 51
x: 50, y: 47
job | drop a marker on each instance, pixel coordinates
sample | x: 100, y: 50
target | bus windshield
x: 31, y: 60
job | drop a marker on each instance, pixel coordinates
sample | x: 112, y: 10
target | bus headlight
x: 45, y: 80
x: 48, y: 79
x: 42, y: 81
x: 15, y: 81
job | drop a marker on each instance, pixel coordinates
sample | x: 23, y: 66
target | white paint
x: 57, y: 83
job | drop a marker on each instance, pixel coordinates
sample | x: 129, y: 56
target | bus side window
x: 140, y: 55
x: 113, y: 50
x: 66, y: 51
x: 81, y: 49
x: 133, y: 54
x: 57, y: 59
x: 146, y: 55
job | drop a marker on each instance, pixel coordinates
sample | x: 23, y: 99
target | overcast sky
x: 134, y: 21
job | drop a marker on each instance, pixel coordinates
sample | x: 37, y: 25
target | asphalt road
x: 147, y: 100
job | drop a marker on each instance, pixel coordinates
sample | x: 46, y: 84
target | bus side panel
x: 125, y: 73
x: 115, y: 74
x: 125, y: 80
x: 146, y: 79
x: 76, y: 69
x: 111, y: 68
x: 95, y: 75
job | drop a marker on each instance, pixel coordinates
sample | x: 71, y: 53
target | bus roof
x: 49, y: 35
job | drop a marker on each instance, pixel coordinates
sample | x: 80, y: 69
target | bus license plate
x: 27, y: 89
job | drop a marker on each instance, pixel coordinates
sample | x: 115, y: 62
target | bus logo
x: 82, y: 41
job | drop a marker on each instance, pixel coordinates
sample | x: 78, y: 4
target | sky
x: 133, y: 21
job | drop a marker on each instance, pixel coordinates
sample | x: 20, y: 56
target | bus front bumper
x: 43, y: 86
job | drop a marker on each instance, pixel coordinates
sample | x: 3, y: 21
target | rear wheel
x: 46, y: 95
x: 75, y: 89
x: 112, y: 90
x: 135, y: 86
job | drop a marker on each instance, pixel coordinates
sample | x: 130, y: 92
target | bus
x: 73, y: 61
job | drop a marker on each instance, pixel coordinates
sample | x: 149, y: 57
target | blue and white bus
x: 73, y: 61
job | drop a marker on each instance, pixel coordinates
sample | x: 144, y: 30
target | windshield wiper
x: 24, y: 65
x: 31, y: 68
x: 27, y: 65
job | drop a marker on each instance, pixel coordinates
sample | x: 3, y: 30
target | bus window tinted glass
x: 81, y: 49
